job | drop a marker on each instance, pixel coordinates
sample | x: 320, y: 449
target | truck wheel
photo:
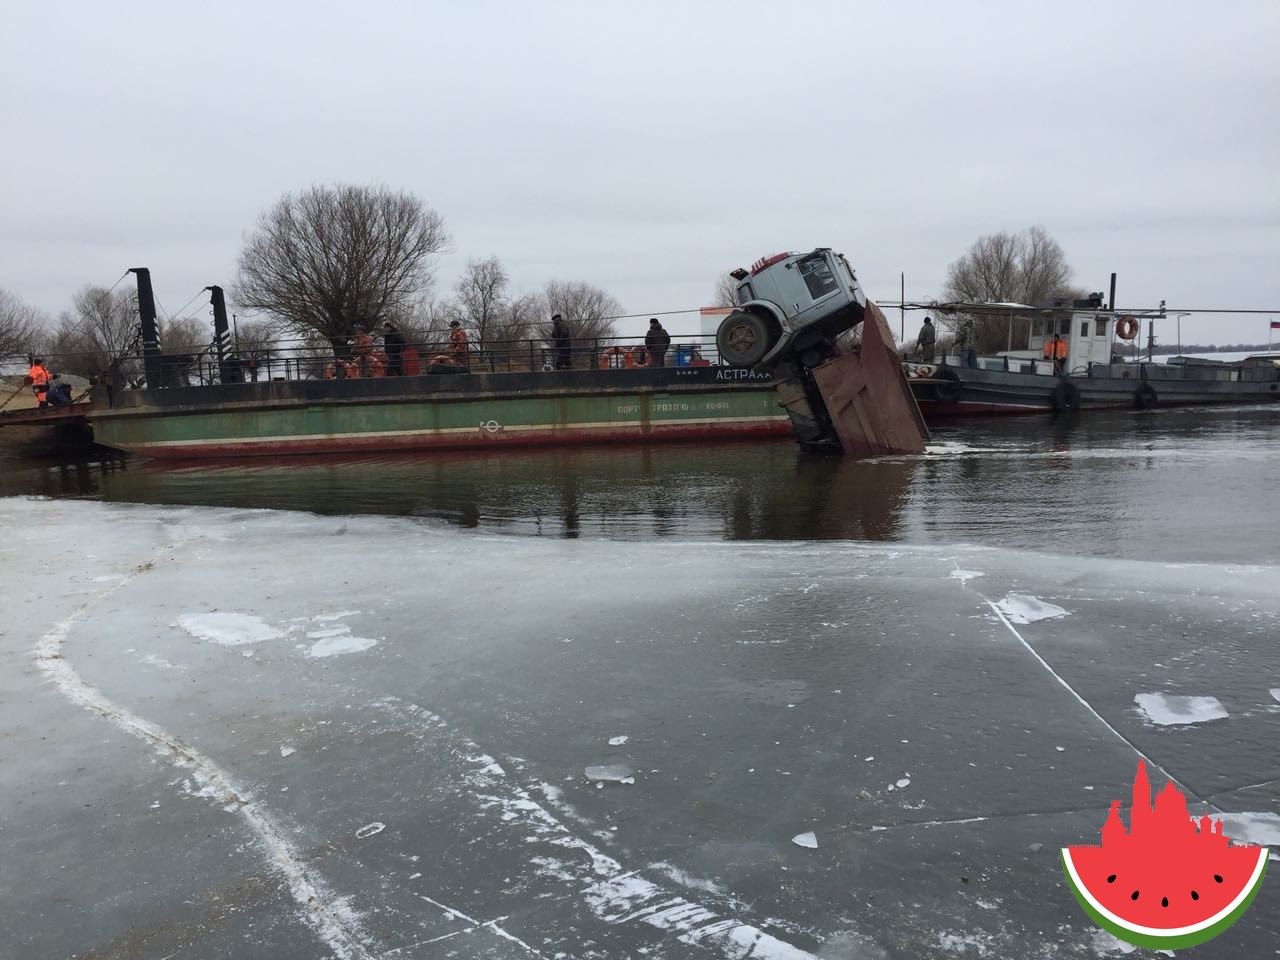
x: 743, y: 339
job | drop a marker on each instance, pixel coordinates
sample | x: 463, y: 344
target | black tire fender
x: 947, y: 389
x: 1145, y: 397
x: 1066, y: 396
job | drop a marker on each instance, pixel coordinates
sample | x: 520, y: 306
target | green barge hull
x: 442, y: 411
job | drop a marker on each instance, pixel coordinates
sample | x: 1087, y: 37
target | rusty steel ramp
x: 857, y: 402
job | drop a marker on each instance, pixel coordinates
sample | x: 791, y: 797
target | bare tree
x: 100, y: 329
x: 328, y: 258
x: 726, y: 292
x: 21, y: 326
x: 482, y: 304
x: 1028, y: 267
x: 588, y: 311
x: 186, y: 335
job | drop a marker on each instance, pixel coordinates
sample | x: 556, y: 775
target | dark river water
x: 1200, y: 484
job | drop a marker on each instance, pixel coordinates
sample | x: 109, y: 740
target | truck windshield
x: 817, y: 276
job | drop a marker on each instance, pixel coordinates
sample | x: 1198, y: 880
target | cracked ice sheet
x: 927, y: 684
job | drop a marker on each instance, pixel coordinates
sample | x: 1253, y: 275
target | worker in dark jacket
x: 560, y: 340
x: 926, y: 340
x: 393, y: 344
x: 656, y: 341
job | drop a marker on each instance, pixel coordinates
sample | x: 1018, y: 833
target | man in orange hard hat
x: 1056, y: 350
x: 39, y: 377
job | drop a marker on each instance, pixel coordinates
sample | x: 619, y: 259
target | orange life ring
x: 637, y: 357
x: 1127, y: 328
x: 612, y: 358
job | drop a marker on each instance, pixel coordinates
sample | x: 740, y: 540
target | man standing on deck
x: 924, y: 342
x: 40, y: 378
x: 656, y: 342
x: 393, y: 344
x: 560, y: 341
x: 459, y: 350
x: 1056, y: 350
x: 966, y: 343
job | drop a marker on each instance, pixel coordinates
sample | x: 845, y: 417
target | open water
x: 1197, y: 484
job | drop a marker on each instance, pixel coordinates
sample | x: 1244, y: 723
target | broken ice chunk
x: 808, y: 840
x: 611, y: 773
x: 1020, y: 608
x: 1167, y: 709
x: 617, y: 741
x: 285, y: 751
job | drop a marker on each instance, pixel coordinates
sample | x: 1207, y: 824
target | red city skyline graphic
x: 1164, y: 824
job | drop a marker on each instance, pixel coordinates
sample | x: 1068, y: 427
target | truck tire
x: 743, y: 338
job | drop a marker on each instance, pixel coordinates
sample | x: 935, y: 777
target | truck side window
x: 745, y: 293
x: 817, y: 276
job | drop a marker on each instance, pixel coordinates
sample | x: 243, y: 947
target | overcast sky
x: 646, y: 147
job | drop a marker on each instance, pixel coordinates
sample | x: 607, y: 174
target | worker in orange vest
x: 1056, y: 350
x: 458, y: 347
x: 40, y: 378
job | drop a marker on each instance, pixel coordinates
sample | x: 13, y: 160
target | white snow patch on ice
x: 966, y: 575
x: 287, y: 751
x: 108, y: 578
x: 1022, y: 608
x: 1169, y: 709
x: 808, y: 840
x: 228, y: 629
x: 1275, y: 694
x: 1260, y: 828
x: 370, y: 829
x: 969, y: 944
x: 336, y: 646
x: 1105, y: 945
x: 617, y: 741
x: 903, y: 783
x: 686, y: 880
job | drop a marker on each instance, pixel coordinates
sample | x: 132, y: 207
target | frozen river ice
x: 239, y: 733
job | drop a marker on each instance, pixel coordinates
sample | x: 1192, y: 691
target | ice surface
x: 1021, y: 608
x: 617, y: 741
x: 476, y: 639
x: 229, y: 629
x: 369, y: 829
x: 1169, y: 709
x: 965, y: 575
x: 611, y: 773
x: 1275, y: 693
x: 1259, y: 828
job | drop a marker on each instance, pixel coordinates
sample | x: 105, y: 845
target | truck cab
x: 791, y: 305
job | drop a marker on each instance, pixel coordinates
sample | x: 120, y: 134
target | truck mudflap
x: 858, y: 401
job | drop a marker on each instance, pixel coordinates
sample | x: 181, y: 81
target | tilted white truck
x: 805, y: 317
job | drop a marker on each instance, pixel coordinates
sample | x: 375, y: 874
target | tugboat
x: 1094, y: 375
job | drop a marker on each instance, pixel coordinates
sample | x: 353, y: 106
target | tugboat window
x: 1100, y: 327
x: 1084, y: 328
x: 817, y: 276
